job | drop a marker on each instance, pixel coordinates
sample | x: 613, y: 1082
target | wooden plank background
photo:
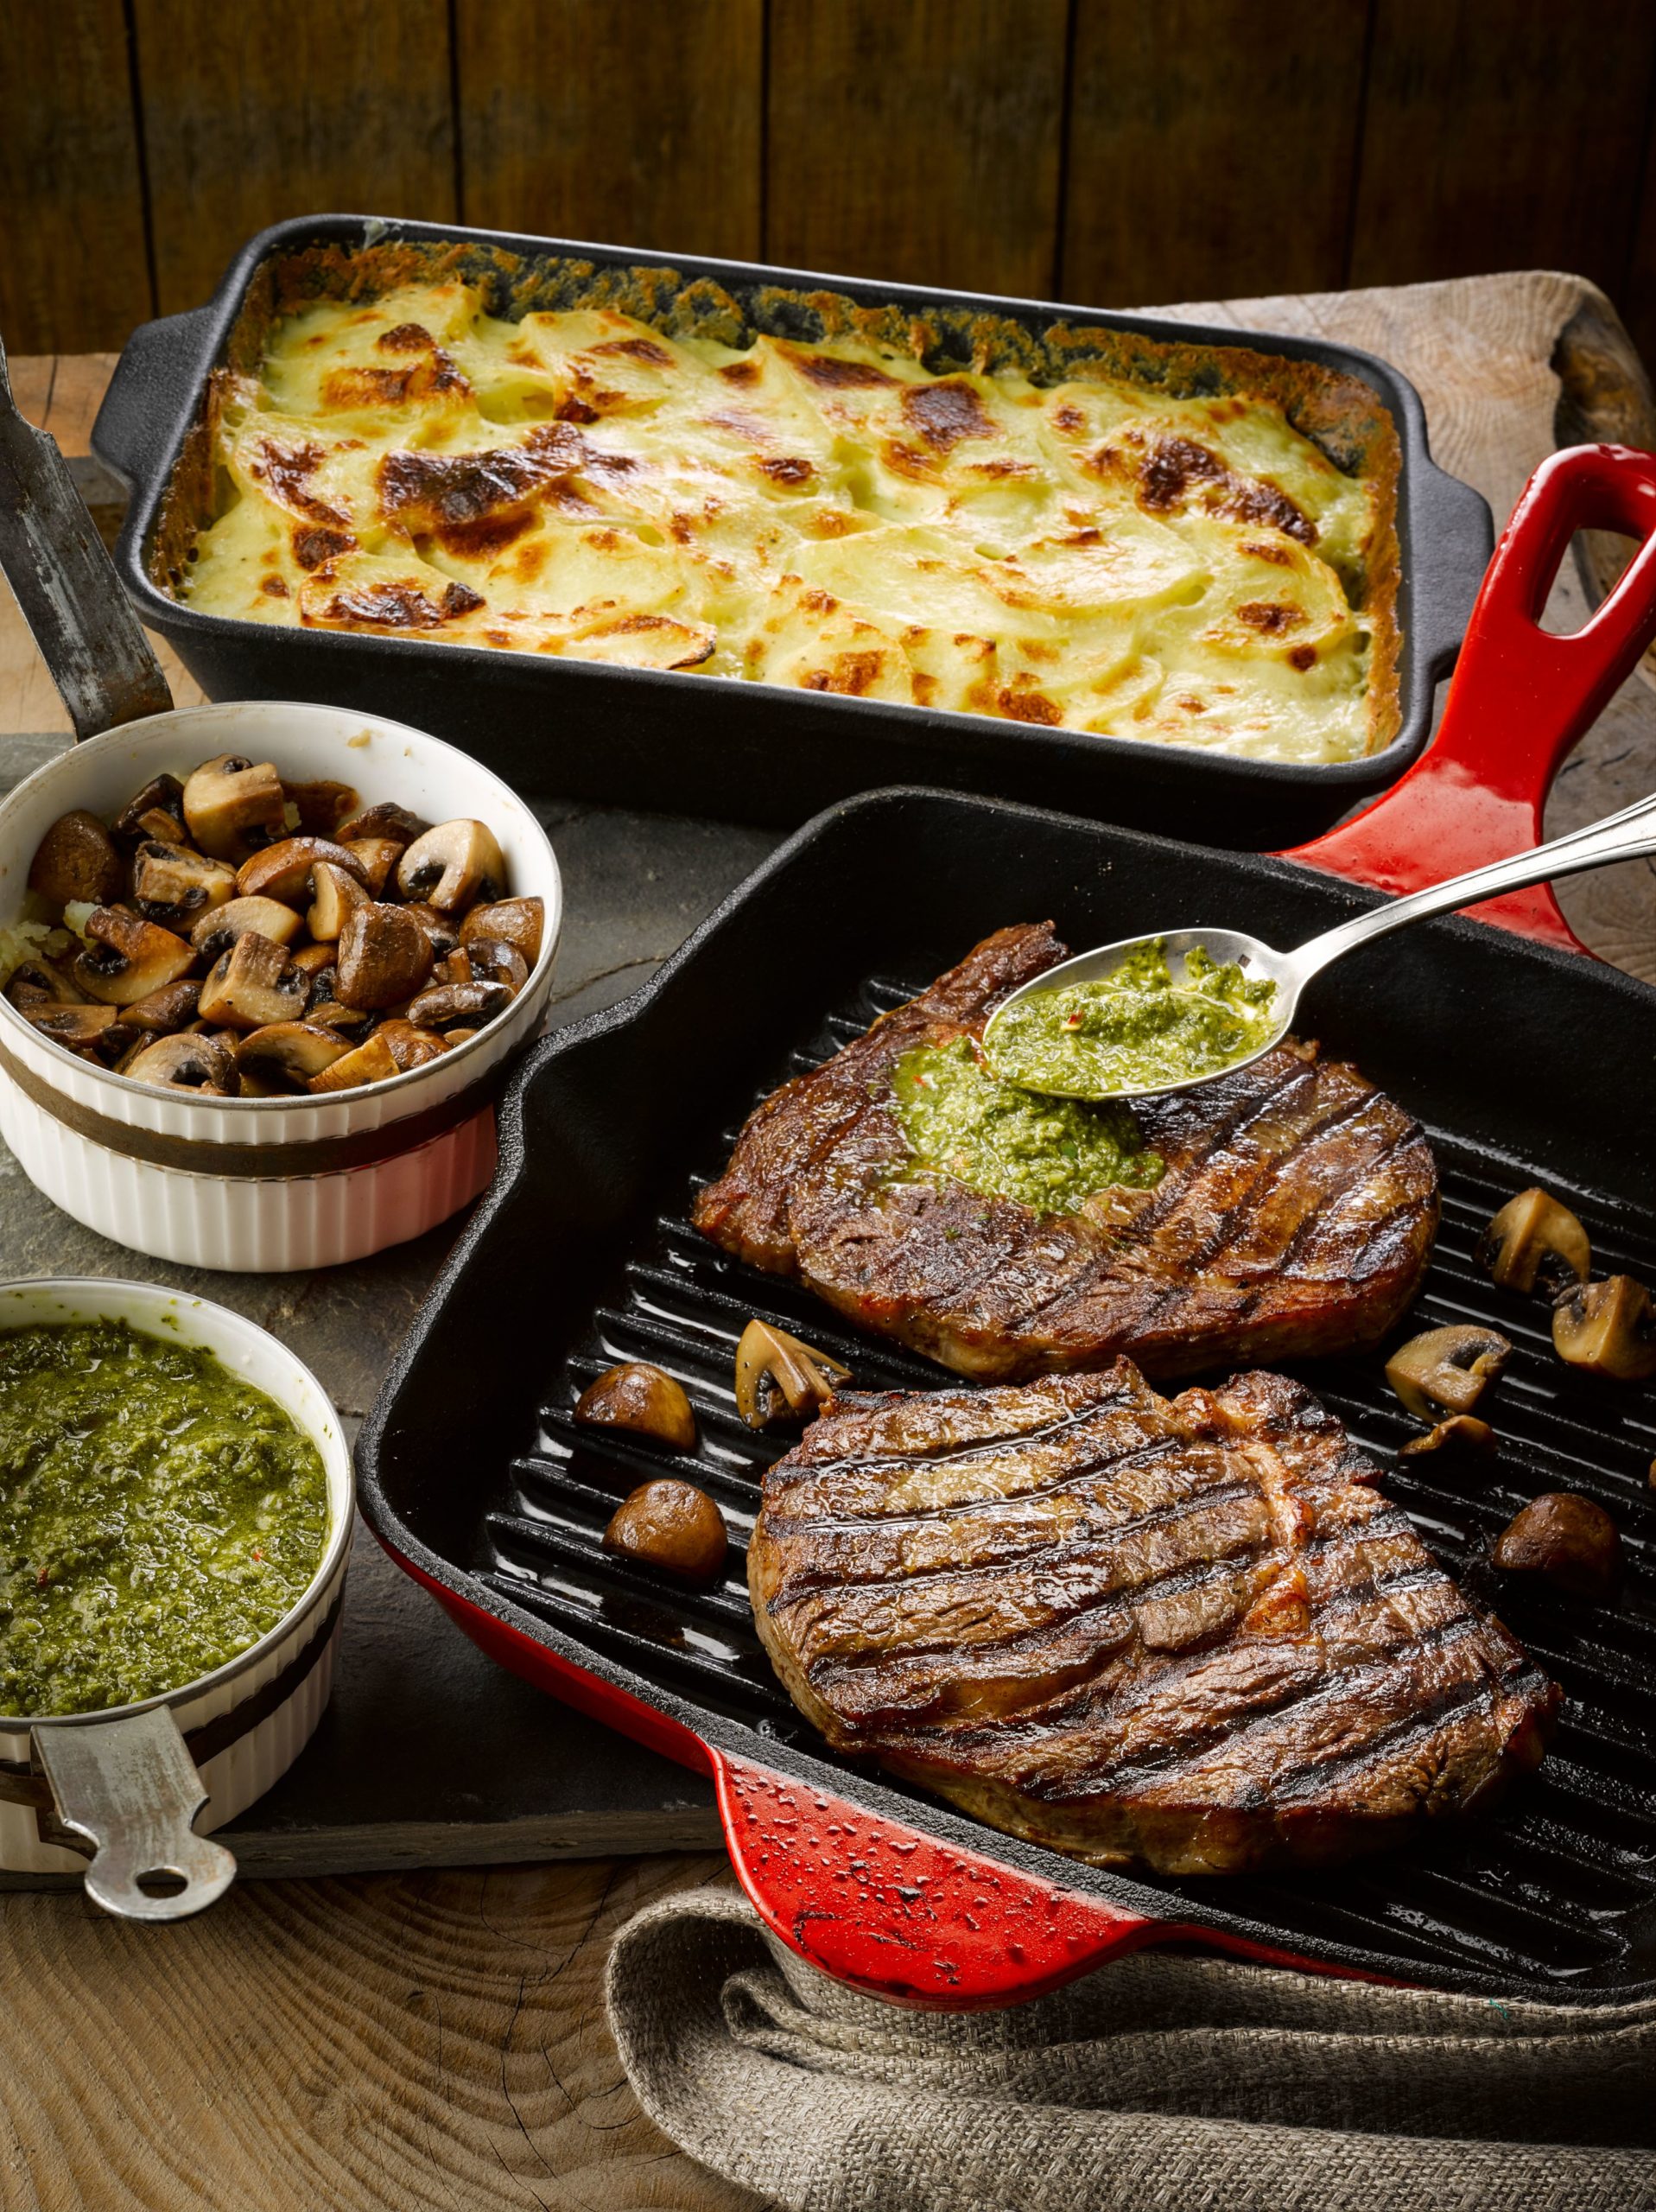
x: 1110, y: 152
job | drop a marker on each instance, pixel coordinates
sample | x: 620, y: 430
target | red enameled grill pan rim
x: 952, y: 1914
x: 1085, y: 1914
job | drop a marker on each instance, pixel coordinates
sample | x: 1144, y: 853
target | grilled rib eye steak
x: 1296, y: 1215
x: 1184, y: 1631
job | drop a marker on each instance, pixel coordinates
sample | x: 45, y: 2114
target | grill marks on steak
x: 1296, y: 1215
x: 1184, y: 1631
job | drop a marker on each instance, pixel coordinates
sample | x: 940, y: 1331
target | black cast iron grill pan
x: 1526, y: 1063
x: 705, y: 745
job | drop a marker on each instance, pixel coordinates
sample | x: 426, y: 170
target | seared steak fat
x: 1295, y: 1214
x: 1187, y: 1633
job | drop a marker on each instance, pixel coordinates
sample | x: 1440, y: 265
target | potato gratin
x: 1089, y: 554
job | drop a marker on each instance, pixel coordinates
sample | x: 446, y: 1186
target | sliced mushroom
x: 77, y: 859
x: 673, y: 1526
x: 641, y: 1397
x: 127, y: 958
x: 369, y: 1063
x: 328, y: 1014
x: 253, y: 985
x: 1607, y: 1328
x: 80, y: 1029
x: 521, y: 922
x: 1462, y: 1433
x: 410, y: 1045
x: 232, y: 806
x: 217, y: 931
x: 164, y: 1010
x: 453, y: 866
x: 453, y: 967
x: 155, y: 811
x: 377, y: 857
x: 320, y: 805
x: 1447, y: 1367
x: 383, y: 958
x: 778, y: 1376
x: 451, y: 1003
x: 285, y: 1057
x: 385, y: 820
x: 316, y: 960
x: 37, y: 982
x: 1534, y: 1238
x: 287, y: 869
x: 442, y: 930
x: 189, y: 1062
x: 495, y: 960
x: 174, y: 886
x: 1566, y: 1538
x: 337, y: 891
x: 460, y: 1036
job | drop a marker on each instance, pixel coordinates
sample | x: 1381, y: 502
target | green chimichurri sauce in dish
x: 1050, y: 1153
x: 157, y: 1515
x: 1136, y: 1029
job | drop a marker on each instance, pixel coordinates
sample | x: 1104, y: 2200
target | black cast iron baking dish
x: 1526, y: 1064
x: 719, y: 746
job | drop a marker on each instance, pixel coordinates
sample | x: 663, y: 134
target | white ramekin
x: 179, y: 1176
x: 297, y: 1654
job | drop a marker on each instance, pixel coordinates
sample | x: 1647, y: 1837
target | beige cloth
x: 1169, y: 2079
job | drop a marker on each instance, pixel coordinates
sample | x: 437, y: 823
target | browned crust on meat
x: 1184, y: 1632
x: 1295, y: 1215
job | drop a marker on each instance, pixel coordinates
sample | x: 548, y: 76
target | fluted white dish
x: 247, y: 1768
x: 80, y: 1132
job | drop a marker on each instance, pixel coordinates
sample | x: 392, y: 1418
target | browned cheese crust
x: 1295, y: 1215
x: 1184, y: 1632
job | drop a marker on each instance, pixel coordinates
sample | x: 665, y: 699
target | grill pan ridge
x: 710, y: 745
x: 583, y: 1256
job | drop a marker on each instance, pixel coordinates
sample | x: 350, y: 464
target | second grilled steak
x: 1296, y: 1215
x: 1187, y: 1633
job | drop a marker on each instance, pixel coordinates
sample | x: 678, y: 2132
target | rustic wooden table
x: 437, y: 2037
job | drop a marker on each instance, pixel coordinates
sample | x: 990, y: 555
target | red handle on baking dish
x: 1520, y: 698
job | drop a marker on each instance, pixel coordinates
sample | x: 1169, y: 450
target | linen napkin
x: 1170, y: 2079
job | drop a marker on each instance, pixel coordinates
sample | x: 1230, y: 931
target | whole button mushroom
x: 520, y: 922
x: 641, y: 1397
x: 1568, y: 1540
x: 385, y: 957
x: 76, y: 860
x: 672, y: 1526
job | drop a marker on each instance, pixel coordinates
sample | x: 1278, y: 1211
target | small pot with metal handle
x: 125, y: 1789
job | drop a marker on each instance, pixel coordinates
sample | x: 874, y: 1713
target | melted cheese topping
x: 1089, y: 555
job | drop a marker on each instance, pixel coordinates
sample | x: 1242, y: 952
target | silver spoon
x: 1628, y: 836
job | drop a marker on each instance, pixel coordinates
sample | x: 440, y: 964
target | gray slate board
x: 430, y: 1755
